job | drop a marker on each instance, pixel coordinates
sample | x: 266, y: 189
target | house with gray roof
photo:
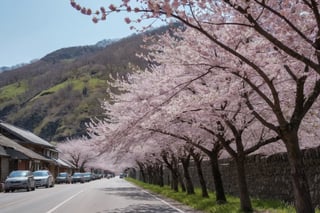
x: 15, y: 156
x: 21, y: 149
x: 25, y: 136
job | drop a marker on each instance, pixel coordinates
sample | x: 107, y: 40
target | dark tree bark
x: 175, y: 181
x: 160, y: 175
x: 303, y: 202
x: 172, y: 165
x: 150, y: 174
x: 238, y: 155
x: 218, y: 184
x: 213, y: 154
x: 198, y: 160
x: 141, y: 167
x: 182, y: 184
x: 245, y: 202
x: 185, y: 165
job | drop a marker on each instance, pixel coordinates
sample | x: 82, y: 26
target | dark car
x: 77, y: 177
x: 43, y: 178
x: 63, y: 177
x: 19, y: 179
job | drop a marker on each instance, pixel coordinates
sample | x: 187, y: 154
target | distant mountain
x: 6, y: 68
x: 70, y: 53
x: 66, y: 53
x: 56, y: 96
x: 105, y: 42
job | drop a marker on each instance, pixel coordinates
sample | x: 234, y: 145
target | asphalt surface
x: 114, y: 195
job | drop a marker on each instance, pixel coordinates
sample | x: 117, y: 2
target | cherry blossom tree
x: 149, y: 161
x: 251, y: 149
x: 213, y: 154
x: 273, y: 46
x: 284, y: 106
x: 310, y: 119
x: 141, y: 100
x: 200, y: 112
x: 146, y: 97
x: 276, y: 96
x: 78, y: 152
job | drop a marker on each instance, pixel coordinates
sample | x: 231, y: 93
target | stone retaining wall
x: 267, y: 177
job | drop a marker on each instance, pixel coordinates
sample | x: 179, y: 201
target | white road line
x: 163, y: 201
x: 60, y: 204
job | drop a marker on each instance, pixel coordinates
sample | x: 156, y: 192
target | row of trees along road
x: 241, y: 77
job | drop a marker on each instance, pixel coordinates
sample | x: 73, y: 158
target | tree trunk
x: 175, y: 181
x: 155, y: 177
x: 143, y: 176
x: 149, y: 174
x: 301, y: 191
x: 173, y: 167
x: 142, y: 172
x: 220, y: 196
x: 189, y: 185
x: 245, y: 202
x: 161, y: 181
x: 182, y: 184
x: 201, y: 178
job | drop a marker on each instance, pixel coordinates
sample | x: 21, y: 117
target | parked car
x: 63, y: 177
x: 87, y: 176
x: 43, y: 178
x: 77, y: 177
x: 97, y: 176
x: 19, y: 179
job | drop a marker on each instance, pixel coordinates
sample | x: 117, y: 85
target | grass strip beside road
x: 209, y: 205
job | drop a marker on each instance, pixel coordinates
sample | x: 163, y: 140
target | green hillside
x: 55, y: 96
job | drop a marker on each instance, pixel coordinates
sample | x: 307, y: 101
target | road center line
x: 163, y: 201
x: 60, y: 204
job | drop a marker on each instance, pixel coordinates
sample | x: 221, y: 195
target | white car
x: 43, y: 178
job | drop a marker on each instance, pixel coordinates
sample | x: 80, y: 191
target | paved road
x: 113, y: 195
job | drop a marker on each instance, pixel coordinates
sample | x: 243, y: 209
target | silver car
x: 63, y: 177
x: 43, y: 178
x: 77, y: 177
x: 19, y: 179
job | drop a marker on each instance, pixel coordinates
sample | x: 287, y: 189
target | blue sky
x: 30, y: 29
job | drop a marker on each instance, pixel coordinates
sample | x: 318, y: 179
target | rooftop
x: 25, y: 135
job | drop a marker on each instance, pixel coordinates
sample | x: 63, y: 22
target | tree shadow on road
x: 129, y: 192
x: 143, y: 208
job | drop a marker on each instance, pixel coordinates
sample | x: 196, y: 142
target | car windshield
x: 77, y: 174
x: 18, y: 174
x: 40, y: 173
x: 62, y: 175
